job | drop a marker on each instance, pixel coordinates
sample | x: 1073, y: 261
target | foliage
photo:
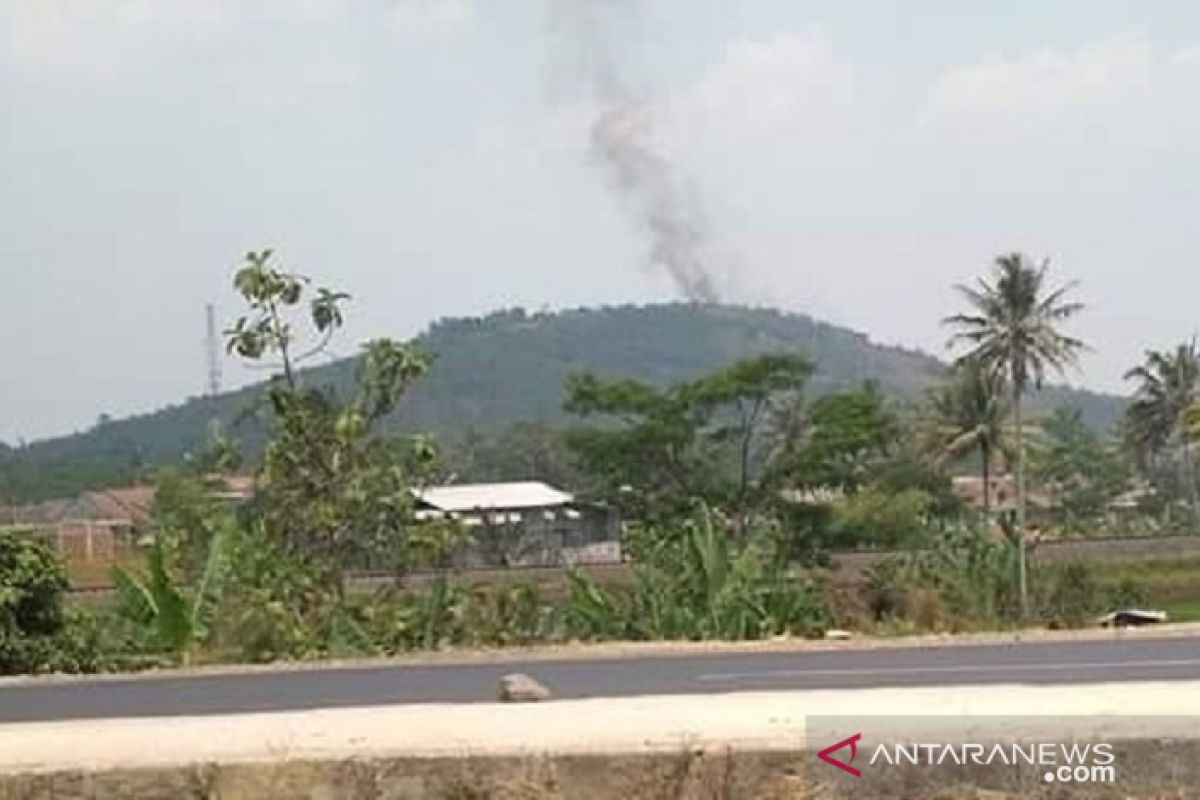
x: 696, y: 583
x: 877, y: 518
x: 1012, y: 331
x: 495, y: 371
x: 187, y: 513
x: 179, y: 623
x: 971, y: 574
x: 333, y: 493
x: 1157, y: 419
x: 32, y: 584
x: 909, y: 466
x: 447, y: 613
x: 968, y: 413
x: 720, y: 438
x: 965, y: 582
x: 1080, y: 472
x: 1012, y: 327
x: 524, y: 451
x: 1073, y: 597
x: 276, y: 607
x: 846, y: 437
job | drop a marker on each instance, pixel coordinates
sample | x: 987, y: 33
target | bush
x: 885, y: 590
x: 879, y: 518
x: 972, y: 575
x: 696, y: 583
x: 1072, y: 596
x: 965, y: 580
x: 32, y: 584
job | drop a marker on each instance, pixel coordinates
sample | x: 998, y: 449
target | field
x: 1172, y: 586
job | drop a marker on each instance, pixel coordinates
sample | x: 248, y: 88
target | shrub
x: 882, y: 519
x: 1072, y: 596
x: 696, y: 582
x: 32, y: 584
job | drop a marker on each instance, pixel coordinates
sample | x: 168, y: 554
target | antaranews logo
x: 826, y: 755
x: 1058, y: 762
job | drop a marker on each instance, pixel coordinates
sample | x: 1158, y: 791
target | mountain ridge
x: 494, y: 371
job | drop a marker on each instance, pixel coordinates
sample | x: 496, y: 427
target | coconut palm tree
x: 1191, y: 422
x: 1158, y: 417
x: 1012, y: 330
x: 967, y: 414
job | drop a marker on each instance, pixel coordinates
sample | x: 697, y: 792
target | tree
x: 32, y: 585
x: 1156, y: 420
x: 848, y: 435
x: 524, y: 451
x: 1081, y: 472
x: 333, y: 493
x: 1012, y: 330
x: 967, y: 414
x: 721, y: 438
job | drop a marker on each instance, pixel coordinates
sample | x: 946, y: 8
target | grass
x: 1183, y: 610
x: 1167, y: 583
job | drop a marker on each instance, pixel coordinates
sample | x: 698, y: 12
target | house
x: 524, y: 523
x: 1001, y: 493
x: 98, y: 525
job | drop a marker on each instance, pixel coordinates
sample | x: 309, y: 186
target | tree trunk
x: 985, y: 453
x: 1189, y: 477
x: 1022, y: 586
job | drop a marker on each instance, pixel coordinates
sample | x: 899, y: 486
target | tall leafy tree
x: 1012, y: 328
x: 848, y: 436
x: 715, y: 438
x: 968, y: 414
x: 1156, y: 421
x: 333, y: 492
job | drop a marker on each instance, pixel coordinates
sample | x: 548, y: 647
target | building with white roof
x: 523, y: 523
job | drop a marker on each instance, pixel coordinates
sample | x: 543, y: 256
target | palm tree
x: 1012, y: 330
x: 1191, y: 422
x: 967, y: 414
x: 1159, y: 415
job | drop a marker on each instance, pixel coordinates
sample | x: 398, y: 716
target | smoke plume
x: 661, y: 199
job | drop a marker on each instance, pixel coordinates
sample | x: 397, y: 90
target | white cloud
x: 1045, y: 84
x: 762, y: 86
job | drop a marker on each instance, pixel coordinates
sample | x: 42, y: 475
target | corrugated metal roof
x: 472, y: 496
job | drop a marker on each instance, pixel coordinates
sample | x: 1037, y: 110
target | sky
x: 432, y: 158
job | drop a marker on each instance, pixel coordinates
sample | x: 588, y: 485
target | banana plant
x: 178, y: 620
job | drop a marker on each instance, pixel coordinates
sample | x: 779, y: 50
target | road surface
x: 1130, y: 659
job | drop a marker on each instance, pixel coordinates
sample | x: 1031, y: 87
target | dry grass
x: 1150, y: 770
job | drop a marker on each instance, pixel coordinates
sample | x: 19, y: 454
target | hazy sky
x: 431, y: 157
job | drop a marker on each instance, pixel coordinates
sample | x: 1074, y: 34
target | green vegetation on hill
x: 491, y: 373
x: 698, y: 427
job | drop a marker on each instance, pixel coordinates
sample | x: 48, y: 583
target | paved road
x: 1175, y: 658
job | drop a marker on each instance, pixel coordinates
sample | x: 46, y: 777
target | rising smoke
x: 663, y: 202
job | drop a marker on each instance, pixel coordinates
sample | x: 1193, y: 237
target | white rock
x: 518, y: 688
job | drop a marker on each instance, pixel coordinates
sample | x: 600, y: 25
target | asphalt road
x: 1176, y: 658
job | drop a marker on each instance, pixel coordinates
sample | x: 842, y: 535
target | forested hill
x: 494, y: 371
